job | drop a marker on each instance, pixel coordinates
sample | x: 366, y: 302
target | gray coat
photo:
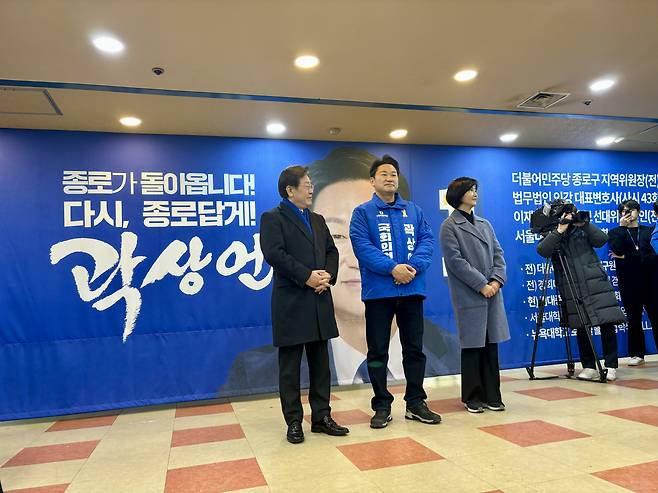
x: 473, y: 257
x: 592, y: 285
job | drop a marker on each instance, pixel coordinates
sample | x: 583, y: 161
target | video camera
x: 549, y: 216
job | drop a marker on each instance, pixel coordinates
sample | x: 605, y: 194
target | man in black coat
x: 299, y: 247
x: 636, y: 264
x: 576, y: 241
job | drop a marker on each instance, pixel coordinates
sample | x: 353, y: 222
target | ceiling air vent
x: 24, y: 101
x: 543, y: 100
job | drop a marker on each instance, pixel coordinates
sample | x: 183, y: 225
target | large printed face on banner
x: 132, y: 271
x: 336, y: 203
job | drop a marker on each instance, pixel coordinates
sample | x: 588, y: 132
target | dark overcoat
x: 591, y: 285
x: 299, y: 315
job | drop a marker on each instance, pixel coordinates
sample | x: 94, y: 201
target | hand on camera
x: 565, y: 220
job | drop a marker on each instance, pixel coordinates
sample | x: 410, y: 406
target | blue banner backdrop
x: 133, y: 276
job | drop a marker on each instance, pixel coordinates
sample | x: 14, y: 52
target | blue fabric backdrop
x: 130, y: 279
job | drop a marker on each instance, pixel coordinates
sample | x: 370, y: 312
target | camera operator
x: 575, y: 238
x: 636, y: 263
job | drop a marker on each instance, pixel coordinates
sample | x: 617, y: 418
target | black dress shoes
x: 295, y: 433
x: 330, y: 427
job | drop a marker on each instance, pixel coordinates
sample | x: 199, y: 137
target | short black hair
x: 290, y: 177
x: 386, y: 159
x: 629, y: 204
x: 655, y: 207
x: 346, y: 164
x: 457, y: 188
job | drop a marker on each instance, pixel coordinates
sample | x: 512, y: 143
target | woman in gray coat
x: 476, y: 272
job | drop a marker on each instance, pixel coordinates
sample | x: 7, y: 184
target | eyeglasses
x: 304, y: 186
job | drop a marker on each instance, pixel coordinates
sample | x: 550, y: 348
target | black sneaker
x: 474, y: 407
x: 381, y: 418
x: 497, y: 406
x: 423, y: 414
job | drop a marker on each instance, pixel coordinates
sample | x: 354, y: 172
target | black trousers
x: 481, y: 374
x: 608, y: 341
x: 408, y: 311
x: 290, y: 359
x: 638, y: 292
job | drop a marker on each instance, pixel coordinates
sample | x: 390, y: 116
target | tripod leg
x: 540, y: 320
x: 571, y: 367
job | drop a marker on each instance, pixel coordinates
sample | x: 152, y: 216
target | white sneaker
x: 635, y: 361
x: 588, y: 374
x: 612, y: 374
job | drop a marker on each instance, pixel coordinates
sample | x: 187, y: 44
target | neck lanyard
x: 637, y: 248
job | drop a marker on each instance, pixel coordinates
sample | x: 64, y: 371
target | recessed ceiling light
x: 601, y: 85
x: 130, y: 121
x: 108, y: 44
x: 399, y: 133
x: 275, y: 128
x: 511, y: 137
x: 605, y: 141
x: 465, y: 75
x: 307, y: 61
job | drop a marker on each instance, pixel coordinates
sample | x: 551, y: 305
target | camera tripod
x: 578, y: 302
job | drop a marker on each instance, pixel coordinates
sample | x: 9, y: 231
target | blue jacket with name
x: 385, y: 235
x: 654, y: 238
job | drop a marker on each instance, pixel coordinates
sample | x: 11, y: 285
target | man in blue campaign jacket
x: 393, y: 244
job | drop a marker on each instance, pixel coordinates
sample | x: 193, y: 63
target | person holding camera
x: 636, y: 263
x: 575, y: 239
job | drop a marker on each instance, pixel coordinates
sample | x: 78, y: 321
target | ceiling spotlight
x: 130, y: 121
x: 618, y: 140
x: 507, y: 138
x: 399, y: 133
x: 108, y: 44
x: 275, y: 128
x: 335, y: 130
x: 605, y: 141
x: 307, y: 61
x: 465, y: 75
x: 601, y: 85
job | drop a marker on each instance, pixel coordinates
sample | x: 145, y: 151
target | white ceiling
x: 402, y: 51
